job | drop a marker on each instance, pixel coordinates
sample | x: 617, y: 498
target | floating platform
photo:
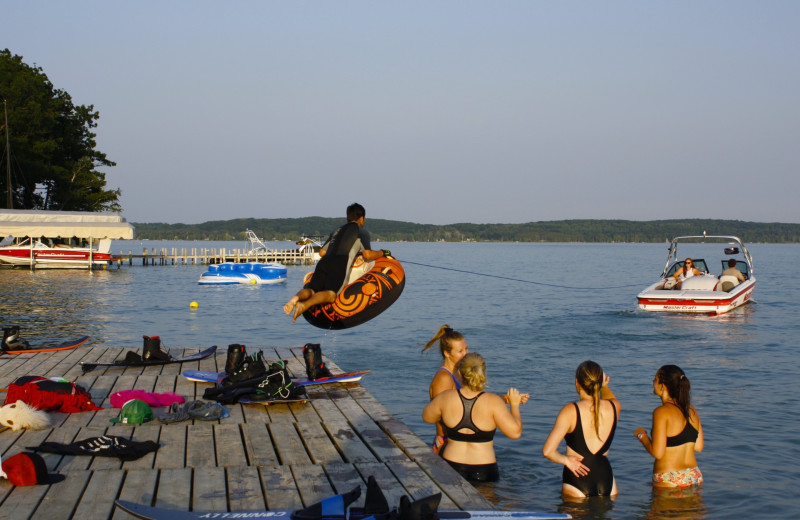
x: 276, y: 457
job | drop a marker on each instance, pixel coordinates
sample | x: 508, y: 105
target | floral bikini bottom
x: 681, y: 478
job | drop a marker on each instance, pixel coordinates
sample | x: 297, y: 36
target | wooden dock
x: 276, y: 457
x: 206, y: 256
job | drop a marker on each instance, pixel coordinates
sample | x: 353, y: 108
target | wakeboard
x: 200, y: 376
x: 270, y: 402
x: 158, y: 513
x: 54, y: 348
x: 88, y: 367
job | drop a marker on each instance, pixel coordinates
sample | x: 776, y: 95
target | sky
x: 433, y: 112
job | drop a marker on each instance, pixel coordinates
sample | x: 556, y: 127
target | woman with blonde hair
x: 453, y: 348
x: 676, y: 431
x: 470, y: 418
x: 588, y: 427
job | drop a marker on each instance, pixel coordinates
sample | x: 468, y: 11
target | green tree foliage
x: 53, y: 157
x: 550, y: 231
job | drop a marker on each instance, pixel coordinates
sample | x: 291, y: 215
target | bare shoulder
x: 568, y: 410
x: 612, y: 403
x: 493, y: 399
x: 441, y: 382
x: 694, y: 416
x: 663, y: 411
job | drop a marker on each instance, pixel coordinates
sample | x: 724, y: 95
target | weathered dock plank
x: 279, y: 456
x: 258, y: 445
x: 209, y: 491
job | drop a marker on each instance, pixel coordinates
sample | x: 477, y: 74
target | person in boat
x: 732, y: 271
x: 453, y: 348
x: 588, y: 426
x: 470, y: 418
x: 687, y: 270
x: 676, y: 433
x: 337, y: 256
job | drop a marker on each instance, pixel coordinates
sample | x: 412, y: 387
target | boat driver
x: 732, y: 271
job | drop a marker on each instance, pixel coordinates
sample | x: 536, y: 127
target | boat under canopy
x: 60, y: 239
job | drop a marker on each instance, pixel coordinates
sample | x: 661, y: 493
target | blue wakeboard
x: 158, y: 513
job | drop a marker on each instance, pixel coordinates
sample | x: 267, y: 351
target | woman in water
x: 470, y: 418
x: 453, y: 348
x: 588, y: 427
x: 676, y: 432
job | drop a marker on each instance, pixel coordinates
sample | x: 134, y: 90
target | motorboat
x: 310, y: 246
x: 59, y: 239
x: 706, y: 293
x: 231, y: 273
x: 53, y: 253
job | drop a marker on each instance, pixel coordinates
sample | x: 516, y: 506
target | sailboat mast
x: 9, y: 199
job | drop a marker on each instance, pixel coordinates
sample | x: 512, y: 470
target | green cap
x: 134, y: 411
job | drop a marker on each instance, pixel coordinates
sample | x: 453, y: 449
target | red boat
x: 59, y: 239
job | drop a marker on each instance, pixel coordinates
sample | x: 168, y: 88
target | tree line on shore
x: 653, y: 231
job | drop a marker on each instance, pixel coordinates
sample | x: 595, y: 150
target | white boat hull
x: 694, y: 301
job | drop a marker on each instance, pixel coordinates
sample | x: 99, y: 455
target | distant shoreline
x: 567, y: 231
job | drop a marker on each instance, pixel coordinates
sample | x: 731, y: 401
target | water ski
x: 141, y: 362
x: 13, y: 344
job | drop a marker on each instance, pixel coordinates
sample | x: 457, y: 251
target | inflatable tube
x: 363, y: 298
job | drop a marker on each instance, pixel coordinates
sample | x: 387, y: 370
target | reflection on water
x: 684, y: 503
x: 594, y: 508
x: 51, y: 306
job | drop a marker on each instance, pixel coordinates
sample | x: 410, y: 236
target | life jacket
x: 49, y: 395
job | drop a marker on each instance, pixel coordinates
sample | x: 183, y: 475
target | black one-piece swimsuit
x: 600, y: 480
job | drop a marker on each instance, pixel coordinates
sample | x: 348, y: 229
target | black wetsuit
x: 341, y: 249
x: 600, y: 480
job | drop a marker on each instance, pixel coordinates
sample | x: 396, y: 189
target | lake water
x: 534, y: 311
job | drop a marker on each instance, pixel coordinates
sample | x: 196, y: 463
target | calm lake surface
x: 534, y: 311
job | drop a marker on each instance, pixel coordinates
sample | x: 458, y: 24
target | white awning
x: 63, y: 224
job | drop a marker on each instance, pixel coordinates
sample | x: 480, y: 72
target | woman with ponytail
x: 470, y: 418
x: 588, y: 427
x: 453, y: 348
x: 676, y: 431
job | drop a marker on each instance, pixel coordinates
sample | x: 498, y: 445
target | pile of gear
x: 30, y: 398
x: 253, y: 378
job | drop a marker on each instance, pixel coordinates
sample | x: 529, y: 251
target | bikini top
x: 687, y: 435
x: 466, y: 422
x: 455, y: 379
x: 576, y: 440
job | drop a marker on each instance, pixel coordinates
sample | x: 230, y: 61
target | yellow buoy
x: 194, y: 305
x: 253, y: 281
